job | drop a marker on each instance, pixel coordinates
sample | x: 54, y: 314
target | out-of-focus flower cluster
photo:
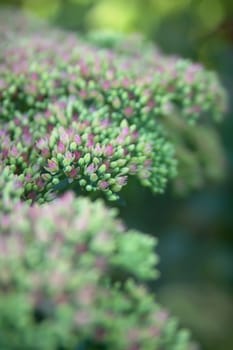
x: 200, y: 154
x: 66, y: 279
x: 75, y: 115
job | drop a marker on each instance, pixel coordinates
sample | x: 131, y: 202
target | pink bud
x: 73, y: 173
x: 103, y: 185
x: 77, y: 139
x: 128, y: 111
x: 109, y: 150
x: 122, y: 180
x: 91, y: 168
x: 52, y: 165
x: 61, y: 147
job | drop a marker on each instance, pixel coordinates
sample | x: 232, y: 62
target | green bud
x: 113, y: 197
x: 121, y: 162
x: 87, y: 158
x: 114, y: 164
x: 46, y: 176
x: 82, y: 182
x: 96, y: 160
x: 102, y: 169
x: 81, y: 161
x: 73, y: 146
x: 93, y: 177
x: 28, y: 187
x: 68, y: 168
x: 60, y: 157
x: 116, y: 188
x: 124, y: 170
x: 55, y: 181
x: 131, y: 147
x: 89, y: 188
x: 124, y: 124
x: 120, y: 152
x: 41, y: 200
x: 107, y: 176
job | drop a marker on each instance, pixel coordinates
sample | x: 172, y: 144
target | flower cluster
x: 79, y: 116
x: 89, y: 152
x: 66, y: 280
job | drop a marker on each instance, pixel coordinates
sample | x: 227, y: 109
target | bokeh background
x: 195, y: 232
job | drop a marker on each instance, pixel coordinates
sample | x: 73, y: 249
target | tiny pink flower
x: 103, y: 185
x: 52, y: 165
x: 109, y: 150
x: 73, y: 173
x: 91, y: 168
x: 128, y: 111
x: 61, y: 147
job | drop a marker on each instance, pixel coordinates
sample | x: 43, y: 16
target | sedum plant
x: 87, y: 114
x: 67, y: 280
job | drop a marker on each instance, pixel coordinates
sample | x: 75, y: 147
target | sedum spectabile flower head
x: 70, y: 274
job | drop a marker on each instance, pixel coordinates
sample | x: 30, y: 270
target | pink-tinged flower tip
x: 77, y: 139
x: 135, y: 135
x: 64, y: 137
x: 106, y: 85
x: 122, y: 180
x: 91, y: 168
x: 69, y: 156
x: 14, y: 151
x: 105, y: 123
x: 90, y: 140
x: 103, y: 185
x: 41, y: 143
x: 128, y: 111
x: 34, y: 76
x: 73, y: 173
x: 52, y: 165
x: 45, y: 152
x: 61, y: 147
x: 77, y: 155
x: 109, y: 150
x: 125, y: 131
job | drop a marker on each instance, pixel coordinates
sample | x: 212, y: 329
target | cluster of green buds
x: 60, y: 151
x: 66, y: 280
x: 86, y: 117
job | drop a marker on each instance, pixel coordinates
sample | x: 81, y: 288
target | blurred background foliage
x: 196, y: 241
